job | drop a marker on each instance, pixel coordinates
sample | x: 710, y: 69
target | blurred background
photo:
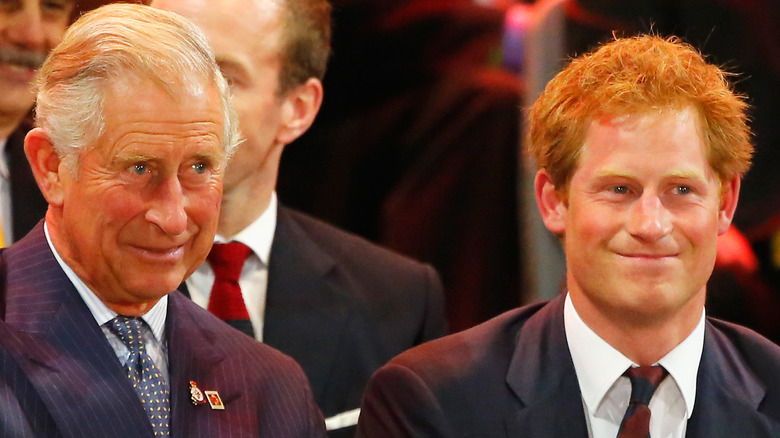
x: 417, y: 146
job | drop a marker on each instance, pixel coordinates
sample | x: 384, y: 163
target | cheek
x: 590, y: 225
x: 204, y: 206
x: 54, y: 32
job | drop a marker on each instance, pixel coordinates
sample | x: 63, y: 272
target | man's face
x: 641, y: 221
x: 141, y: 214
x: 252, y: 66
x: 29, y: 29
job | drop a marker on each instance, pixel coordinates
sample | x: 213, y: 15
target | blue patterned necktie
x: 147, y: 381
x: 644, y: 382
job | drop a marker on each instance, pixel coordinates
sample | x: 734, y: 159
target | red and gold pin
x: 215, y: 401
x: 199, y: 397
x: 196, y: 395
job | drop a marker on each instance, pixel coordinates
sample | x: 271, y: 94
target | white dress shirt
x: 6, y: 215
x: 154, y: 318
x: 258, y: 236
x: 605, y: 392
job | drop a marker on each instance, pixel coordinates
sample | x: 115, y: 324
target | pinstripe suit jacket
x: 75, y: 386
x: 513, y: 377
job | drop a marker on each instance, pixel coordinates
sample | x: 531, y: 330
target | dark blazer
x: 342, y: 307
x: 513, y: 377
x: 27, y: 203
x: 77, y: 387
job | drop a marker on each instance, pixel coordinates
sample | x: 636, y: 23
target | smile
x: 19, y: 73
x: 161, y: 255
x: 647, y: 256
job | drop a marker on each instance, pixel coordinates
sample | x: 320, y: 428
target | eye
x: 10, y: 5
x: 200, y: 168
x: 53, y: 5
x: 139, y: 169
x: 620, y: 190
x: 56, y: 9
x: 682, y: 190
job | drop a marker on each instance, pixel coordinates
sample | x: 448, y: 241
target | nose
x: 25, y: 27
x: 168, y: 207
x: 649, y: 220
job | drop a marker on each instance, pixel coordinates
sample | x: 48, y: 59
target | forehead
x: 636, y: 141
x: 140, y: 111
x: 244, y: 34
x: 55, y: 12
x: 241, y: 20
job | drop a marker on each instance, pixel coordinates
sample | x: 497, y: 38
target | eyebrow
x: 677, y: 174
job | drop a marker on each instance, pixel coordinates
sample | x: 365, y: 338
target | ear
x: 552, y: 206
x: 299, y: 108
x: 45, y: 165
x: 729, y: 195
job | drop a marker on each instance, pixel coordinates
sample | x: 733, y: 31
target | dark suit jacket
x: 513, y: 377
x: 77, y: 387
x: 27, y: 203
x: 342, y: 307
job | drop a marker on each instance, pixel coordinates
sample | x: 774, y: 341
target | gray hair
x: 113, y: 42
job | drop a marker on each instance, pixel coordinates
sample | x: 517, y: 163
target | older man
x: 134, y: 130
x: 339, y: 305
x: 640, y: 146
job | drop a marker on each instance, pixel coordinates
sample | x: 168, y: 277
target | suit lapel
x: 65, y: 354
x: 542, y: 376
x: 304, y: 302
x: 194, y: 355
x: 728, y: 394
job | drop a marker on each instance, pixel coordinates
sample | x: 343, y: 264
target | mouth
x: 170, y: 254
x: 20, y: 63
x: 18, y: 73
x: 648, y: 256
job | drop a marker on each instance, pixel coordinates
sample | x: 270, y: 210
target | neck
x: 9, y: 122
x: 130, y: 309
x: 644, y: 340
x: 242, y: 206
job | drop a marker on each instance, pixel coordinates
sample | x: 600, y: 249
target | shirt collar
x: 599, y: 365
x: 155, y: 317
x: 3, y: 161
x: 259, y: 235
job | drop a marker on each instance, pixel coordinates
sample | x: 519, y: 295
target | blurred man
x: 29, y: 29
x: 134, y: 129
x: 339, y: 305
x: 641, y: 146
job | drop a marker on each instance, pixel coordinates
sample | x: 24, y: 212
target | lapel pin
x: 215, y: 401
x: 196, y: 395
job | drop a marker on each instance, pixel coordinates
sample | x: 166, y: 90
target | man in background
x: 133, y: 132
x: 337, y: 304
x: 29, y: 29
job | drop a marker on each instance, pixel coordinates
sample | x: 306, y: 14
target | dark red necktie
x: 644, y: 382
x: 226, y: 301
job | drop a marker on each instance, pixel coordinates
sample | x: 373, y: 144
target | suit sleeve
x: 435, y: 324
x: 398, y: 403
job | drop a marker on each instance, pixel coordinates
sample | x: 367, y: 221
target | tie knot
x: 227, y: 259
x: 129, y: 330
x: 644, y: 382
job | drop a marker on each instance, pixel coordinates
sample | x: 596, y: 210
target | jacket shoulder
x: 760, y: 354
x: 345, y: 245
x: 487, y: 347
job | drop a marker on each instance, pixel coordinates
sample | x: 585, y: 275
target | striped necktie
x: 147, y: 381
x: 644, y: 382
